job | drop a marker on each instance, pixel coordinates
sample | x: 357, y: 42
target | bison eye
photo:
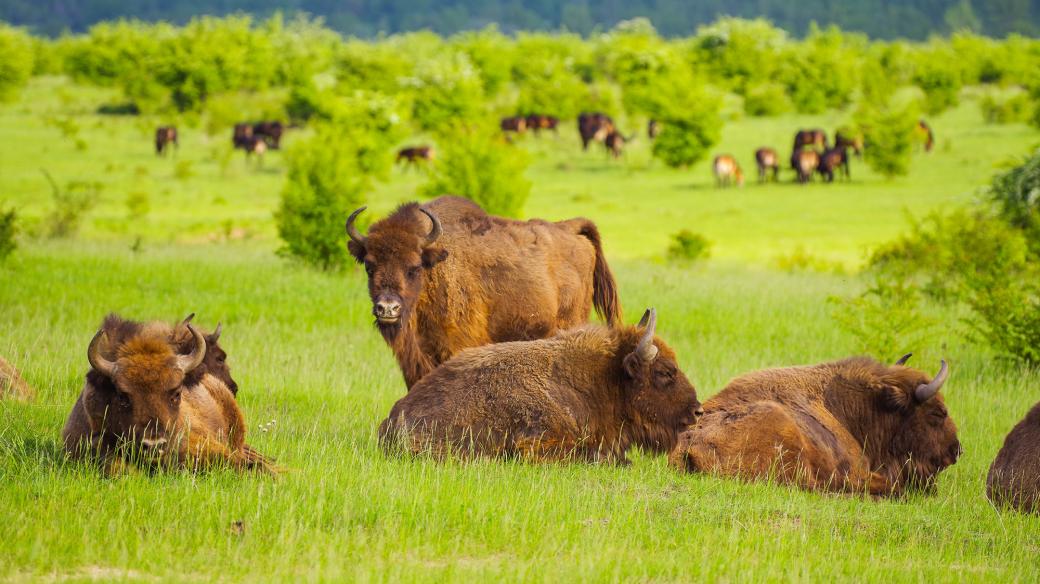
x: 370, y: 268
x: 175, y: 396
x: 413, y: 272
x: 221, y: 359
x: 123, y: 400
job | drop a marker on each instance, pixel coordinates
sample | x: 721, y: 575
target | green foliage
x: 1006, y: 109
x: 888, y: 133
x: 70, y: 205
x: 739, y: 54
x: 16, y: 60
x: 1009, y: 318
x: 689, y: 247
x: 8, y: 232
x: 940, y: 83
x: 766, y: 99
x: 689, y: 117
x: 886, y: 320
x: 1016, y: 194
x: 446, y: 91
x: 823, y: 72
x: 483, y: 167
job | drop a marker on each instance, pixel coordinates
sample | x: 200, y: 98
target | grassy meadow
x: 316, y: 378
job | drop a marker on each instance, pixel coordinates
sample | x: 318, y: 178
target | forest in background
x: 887, y: 19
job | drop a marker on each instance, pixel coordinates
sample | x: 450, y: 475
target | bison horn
x: 646, y: 349
x: 98, y: 362
x: 351, y: 230
x: 187, y: 319
x: 902, y: 360
x: 435, y: 231
x: 216, y: 333
x: 187, y: 363
x: 927, y: 391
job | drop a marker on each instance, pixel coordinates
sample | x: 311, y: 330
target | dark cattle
x: 805, y: 162
x: 1014, y: 477
x: 539, y: 122
x: 446, y: 276
x: 12, y: 385
x: 845, y: 139
x: 164, y: 136
x: 412, y: 155
x: 594, y: 126
x: 515, y: 124
x: 925, y: 135
x: 242, y: 136
x: 854, y: 425
x: 816, y: 138
x: 271, y: 132
x: 614, y: 142
x: 836, y: 158
x: 727, y: 171
x: 653, y: 129
x: 768, y: 161
x: 145, y: 401
x: 586, y: 394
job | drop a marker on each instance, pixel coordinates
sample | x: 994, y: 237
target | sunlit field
x: 318, y: 378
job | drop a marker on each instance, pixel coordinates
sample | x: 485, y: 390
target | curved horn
x: 645, y: 319
x: 927, y: 391
x: 351, y: 230
x: 435, y: 232
x: 646, y: 349
x: 902, y: 360
x: 216, y: 333
x: 187, y: 319
x: 189, y: 362
x: 98, y: 362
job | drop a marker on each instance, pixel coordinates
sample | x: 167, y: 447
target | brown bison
x: 727, y: 171
x: 538, y: 122
x: 412, y: 155
x: 854, y: 425
x: 768, y: 161
x: 832, y: 159
x: 144, y: 401
x: 587, y: 394
x: 11, y: 383
x: 516, y: 124
x: 1014, y: 477
x: 445, y: 276
x: 164, y: 136
x: 594, y: 126
x: 805, y: 162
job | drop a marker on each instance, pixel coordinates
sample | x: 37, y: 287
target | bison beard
x: 446, y: 276
x: 1014, y: 476
x: 586, y: 394
x: 854, y: 425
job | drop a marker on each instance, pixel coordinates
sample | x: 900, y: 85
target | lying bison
x: 445, y: 276
x: 12, y: 385
x: 1014, y: 477
x: 853, y: 425
x: 145, y: 401
x: 587, y: 394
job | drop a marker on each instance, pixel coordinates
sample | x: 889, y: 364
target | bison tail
x: 604, y: 289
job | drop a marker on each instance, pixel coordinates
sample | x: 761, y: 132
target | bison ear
x: 431, y: 256
x: 357, y: 250
x: 894, y: 397
x: 633, y: 366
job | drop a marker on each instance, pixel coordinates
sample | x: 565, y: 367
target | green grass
x: 306, y: 356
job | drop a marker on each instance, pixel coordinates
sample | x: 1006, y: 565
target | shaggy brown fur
x: 768, y: 161
x: 589, y: 394
x: 1014, y: 477
x: 484, y: 280
x: 12, y: 385
x: 853, y: 425
x: 143, y: 401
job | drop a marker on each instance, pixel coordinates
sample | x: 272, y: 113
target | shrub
x: 8, y: 233
x: 766, y: 99
x: 16, y: 60
x: 886, y: 319
x: 1007, y: 110
x: 483, y: 167
x: 445, y: 90
x: 689, y: 246
x: 70, y: 205
x: 889, y: 137
x: 1009, y: 313
x: 940, y: 85
x: 689, y: 117
x: 1016, y: 194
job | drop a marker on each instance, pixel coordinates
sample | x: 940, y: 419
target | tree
x: 888, y: 135
x: 16, y: 60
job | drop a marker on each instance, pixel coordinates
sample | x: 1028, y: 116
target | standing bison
x: 145, y: 401
x: 446, y: 276
x: 854, y: 425
x: 586, y: 394
x: 1014, y: 477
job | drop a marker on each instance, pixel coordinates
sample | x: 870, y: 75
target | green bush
x: 1009, y: 318
x: 1006, y: 110
x: 888, y: 135
x: 940, y: 84
x: 766, y: 99
x: 689, y: 116
x: 689, y: 246
x: 886, y: 320
x: 1016, y: 193
x: 446, y: 90
x: 8, y: 232
x: 483, y: 167
x: 70, y: 205
x: 16, y: 60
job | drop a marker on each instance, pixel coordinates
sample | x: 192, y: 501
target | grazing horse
x: 653, y: 129
x: 805, y: 162
x: 412, y: 155
x: 594, y: 126
x: 164, y: 136
x: 615, y: 142
x: 925, y: 134
x: 816, y: 138
x: 517, y: 124
x: 845, y: 139
x: 832, y: 159
x: 768, y: 161
x: 727, y: 171
x: 537, y: 122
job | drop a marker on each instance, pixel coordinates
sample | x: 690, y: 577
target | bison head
x: 396, y: 253
x: 923, y: 438
x: 215, y: 362
x: 138, y: 399
x: 662, y: 401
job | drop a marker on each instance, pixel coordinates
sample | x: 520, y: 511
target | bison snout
x: 387, y: 310
x: 153, y: 445
x: 698, y: 411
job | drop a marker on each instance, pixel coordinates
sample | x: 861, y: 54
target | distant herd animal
x: 488, y: 319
